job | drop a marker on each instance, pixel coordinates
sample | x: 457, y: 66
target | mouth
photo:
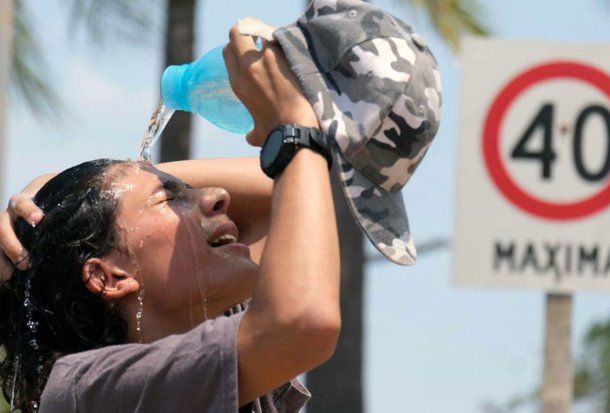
x: 224, y: 234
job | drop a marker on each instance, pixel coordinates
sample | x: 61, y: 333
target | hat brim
x: 381, y: 215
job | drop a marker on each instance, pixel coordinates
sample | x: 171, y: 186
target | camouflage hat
x: 375, y: 88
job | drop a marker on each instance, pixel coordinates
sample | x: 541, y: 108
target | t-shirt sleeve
x: 195, y: 372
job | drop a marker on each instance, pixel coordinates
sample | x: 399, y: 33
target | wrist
x: 305, y: 159
x: 303, y: 117
x: 283, y: 142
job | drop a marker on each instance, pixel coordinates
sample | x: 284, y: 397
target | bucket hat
x: 375, y: 88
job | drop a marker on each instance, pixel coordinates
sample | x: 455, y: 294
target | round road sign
x: 496, y: 166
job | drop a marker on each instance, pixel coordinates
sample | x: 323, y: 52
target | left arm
x: 250, y: 190
x: 248, y: 186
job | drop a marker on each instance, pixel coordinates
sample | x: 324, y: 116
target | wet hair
x: 46, y: 311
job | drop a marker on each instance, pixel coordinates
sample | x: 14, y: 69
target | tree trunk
x: 179, y: 49
x: 6, y: 50
x: 336, y: 386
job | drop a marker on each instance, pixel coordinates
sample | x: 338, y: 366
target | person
x: 124, y: 284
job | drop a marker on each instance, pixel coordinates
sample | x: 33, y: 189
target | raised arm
x: 293, y: 321
x: 250, y: 190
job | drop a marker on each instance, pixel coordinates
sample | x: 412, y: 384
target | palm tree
x: 451, y: 18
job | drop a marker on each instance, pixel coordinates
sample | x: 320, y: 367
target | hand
x: 264, y: 82
x: 20, y: 205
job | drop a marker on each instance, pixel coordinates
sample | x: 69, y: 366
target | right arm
x: 293, y: 321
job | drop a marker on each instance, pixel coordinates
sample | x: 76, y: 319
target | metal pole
x: 557, y: 381
x: 6, y: 41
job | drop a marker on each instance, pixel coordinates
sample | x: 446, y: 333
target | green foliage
x: 454, y: 18
x: 592, y: 375
x: 28, y: 73
x: 129, y: 19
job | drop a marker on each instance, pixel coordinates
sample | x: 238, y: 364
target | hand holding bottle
x: 264, y: 82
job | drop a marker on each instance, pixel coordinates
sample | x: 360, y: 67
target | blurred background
x: 84, y: 78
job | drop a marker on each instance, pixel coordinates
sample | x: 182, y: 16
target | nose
x: 214, y: 201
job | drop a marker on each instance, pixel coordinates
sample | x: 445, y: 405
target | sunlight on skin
x: 164, y: 229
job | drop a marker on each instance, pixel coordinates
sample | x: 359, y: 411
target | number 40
x: 546, y: 156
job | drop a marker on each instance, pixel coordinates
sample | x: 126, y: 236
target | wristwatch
x: 282, y: 143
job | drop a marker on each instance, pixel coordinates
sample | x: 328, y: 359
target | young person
x: 129, y: 298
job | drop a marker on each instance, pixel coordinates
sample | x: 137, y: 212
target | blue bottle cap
x: 173, y: 90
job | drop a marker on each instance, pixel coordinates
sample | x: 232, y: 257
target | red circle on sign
x: 491, y: 141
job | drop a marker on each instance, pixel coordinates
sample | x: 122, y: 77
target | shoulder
x: 211, y: 335
x: 203, y: 358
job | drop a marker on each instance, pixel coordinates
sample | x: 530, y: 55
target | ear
x: 103, y: 277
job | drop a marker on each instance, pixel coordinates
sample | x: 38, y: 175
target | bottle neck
x: 174, y: 87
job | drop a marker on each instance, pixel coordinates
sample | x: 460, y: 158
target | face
x: 181, y: 244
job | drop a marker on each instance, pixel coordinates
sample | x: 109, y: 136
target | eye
x: 170, y: 196
x: 163, y: 197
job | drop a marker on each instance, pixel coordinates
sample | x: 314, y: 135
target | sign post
x: 6, y: 37
x: 533, y: 181
x: 557, y: 386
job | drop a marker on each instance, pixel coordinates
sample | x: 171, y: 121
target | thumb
x: 251, y: 137
x: 255, y: 137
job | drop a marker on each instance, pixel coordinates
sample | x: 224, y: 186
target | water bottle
x: 203, y: 87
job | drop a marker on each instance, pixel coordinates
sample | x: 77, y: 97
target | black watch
x: 282, y: 143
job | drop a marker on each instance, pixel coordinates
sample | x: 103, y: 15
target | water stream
x: 157, y: 123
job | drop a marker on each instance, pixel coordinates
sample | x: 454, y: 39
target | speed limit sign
x: 533, y: 166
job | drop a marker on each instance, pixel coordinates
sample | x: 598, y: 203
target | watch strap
x: 293, y: 137
x: 314, y: 139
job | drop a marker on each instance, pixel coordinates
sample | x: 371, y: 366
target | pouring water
x: 156, y: 125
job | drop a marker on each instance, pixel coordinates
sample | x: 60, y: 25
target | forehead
x: 138, y: 181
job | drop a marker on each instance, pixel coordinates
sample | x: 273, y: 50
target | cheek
x: 170, y: 254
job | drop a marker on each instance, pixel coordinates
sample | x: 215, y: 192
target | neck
x: 156, y: 324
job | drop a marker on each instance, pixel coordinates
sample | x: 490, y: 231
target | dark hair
x: 47, y: 312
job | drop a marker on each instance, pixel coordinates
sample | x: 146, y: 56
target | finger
x: 10, y: 244
x: 242, y: 45
x: 230, y: 61
x: 24, y: 207
x: 6, y: 268
x: 270, y: 55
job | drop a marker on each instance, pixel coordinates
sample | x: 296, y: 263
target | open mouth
x: 224, y: 234
x: 223, y: 240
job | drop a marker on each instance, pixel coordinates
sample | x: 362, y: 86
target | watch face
x: 272, y: 148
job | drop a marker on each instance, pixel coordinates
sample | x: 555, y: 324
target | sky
x: 430, y: 346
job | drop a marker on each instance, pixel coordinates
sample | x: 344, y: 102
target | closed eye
x: 169, y: 191
x: 175, y: 190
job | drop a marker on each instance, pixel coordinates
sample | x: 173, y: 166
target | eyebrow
x: 168, y: 185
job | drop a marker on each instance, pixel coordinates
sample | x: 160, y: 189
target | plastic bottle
x: 203, y: 87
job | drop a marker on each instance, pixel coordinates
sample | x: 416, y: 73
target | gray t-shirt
x: 191, y: 372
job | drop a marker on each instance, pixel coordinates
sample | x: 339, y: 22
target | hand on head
x: 21, y: 205
x: 264, y: 82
